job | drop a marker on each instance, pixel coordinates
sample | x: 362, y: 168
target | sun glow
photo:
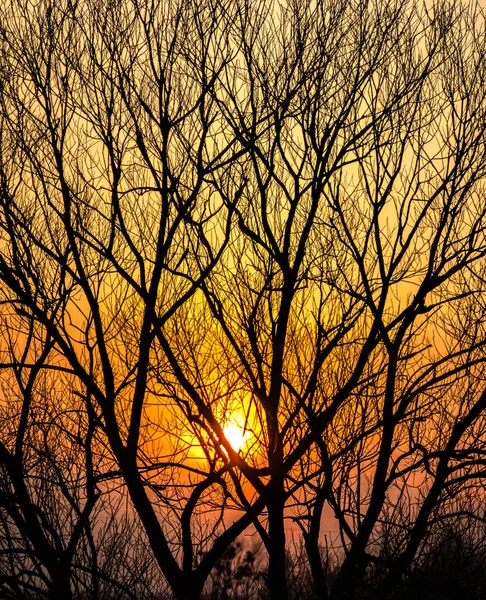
x: 236, y: 435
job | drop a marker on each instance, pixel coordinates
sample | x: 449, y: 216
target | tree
x: 265, y: 213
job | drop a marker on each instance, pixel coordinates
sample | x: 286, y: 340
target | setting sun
x: 243, y: 299
x: 236, y: 435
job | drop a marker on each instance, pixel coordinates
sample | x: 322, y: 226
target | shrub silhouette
x: 237, y: 575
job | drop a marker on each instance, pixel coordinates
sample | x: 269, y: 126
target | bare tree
x: 359, y: 242
x: 110, y: 223
x: 250, y: 215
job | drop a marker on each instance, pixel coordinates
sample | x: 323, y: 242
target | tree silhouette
x: 244, y: 216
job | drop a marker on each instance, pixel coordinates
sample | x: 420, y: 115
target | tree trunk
x: 277, y: 576
x: 191, y: 590
x: 315, y: 563
x: 311, y: 540
x: 347, y: 581
x: 60, y: 588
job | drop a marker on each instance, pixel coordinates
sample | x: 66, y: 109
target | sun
x: 236, y: 435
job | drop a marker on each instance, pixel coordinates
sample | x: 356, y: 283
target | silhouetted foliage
x: 236, y: 576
